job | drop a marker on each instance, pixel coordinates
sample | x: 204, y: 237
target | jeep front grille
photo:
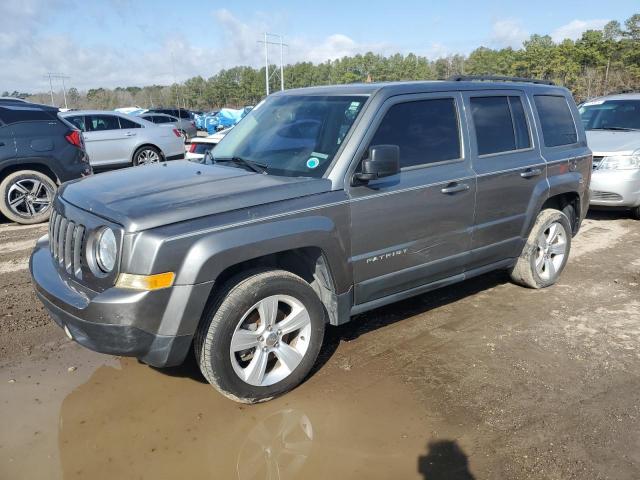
x: 66, y: 240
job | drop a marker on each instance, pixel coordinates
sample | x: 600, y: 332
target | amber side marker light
x: 146, y: 282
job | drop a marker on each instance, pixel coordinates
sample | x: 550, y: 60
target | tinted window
x: 556, y: 120
x: 184, y: 114
x: 78, y: 122
x: 163, y: 119
x: 500, y: 124
x: 18, y: 113
x: 523, y: 140
x: 426, y: 131
x: 98, y: 123
x: 126, y: 123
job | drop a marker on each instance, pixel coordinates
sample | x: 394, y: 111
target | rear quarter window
x: 556, y: 120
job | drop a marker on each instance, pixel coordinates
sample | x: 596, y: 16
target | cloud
x: 574, y: 29
x: 29, y: 49
x: 508, y: 33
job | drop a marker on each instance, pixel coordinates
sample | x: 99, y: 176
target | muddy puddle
x: 116, y: 418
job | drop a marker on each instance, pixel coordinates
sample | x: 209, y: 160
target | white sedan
x: 201, y: 145
x: 113, y: 138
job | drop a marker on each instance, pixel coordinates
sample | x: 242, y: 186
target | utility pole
x: 267, y: 75
x: 59, y: 76
x: 266, y: 63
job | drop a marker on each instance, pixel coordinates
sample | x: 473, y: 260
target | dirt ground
x: 481, y: 380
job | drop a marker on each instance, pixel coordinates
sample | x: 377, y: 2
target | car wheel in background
x: 260, y: 336
x: 635, y: 213
x: 546, y: 252
x: 146, y: 155
x: 26, y: 197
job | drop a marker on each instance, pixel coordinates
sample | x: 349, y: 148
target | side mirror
x: 383, y: 161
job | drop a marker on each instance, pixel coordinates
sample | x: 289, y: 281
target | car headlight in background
x: 106, y: 250
x: 621, y: 162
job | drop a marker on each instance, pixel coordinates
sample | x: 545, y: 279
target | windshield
x: 611, y: 115
x: 292, y: 135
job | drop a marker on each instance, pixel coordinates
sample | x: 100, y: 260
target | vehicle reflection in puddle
x: 277, y: 447
x: 136, y: 422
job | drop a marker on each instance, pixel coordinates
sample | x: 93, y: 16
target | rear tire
x: 635, y: 213
x: 26, y: 197
x: 260, y: 335
x: 546, y: 252
x: 146, y: 155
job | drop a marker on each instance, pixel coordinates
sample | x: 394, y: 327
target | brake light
x: 193, y: 124
x: 192, y: 147
x: 74, y: 138
x: 175, y: 130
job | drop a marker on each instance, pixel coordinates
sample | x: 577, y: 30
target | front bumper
x: 615, y: 188
x: 155, y: 326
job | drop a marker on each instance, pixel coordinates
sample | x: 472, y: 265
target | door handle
x: 455, y: 188
x: 531, y: 172
x: 129, y: 134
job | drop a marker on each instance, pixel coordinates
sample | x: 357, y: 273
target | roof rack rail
x: 497, y: 78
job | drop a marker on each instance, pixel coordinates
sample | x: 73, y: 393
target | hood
x: 610, y: 142
x: 141, y: 198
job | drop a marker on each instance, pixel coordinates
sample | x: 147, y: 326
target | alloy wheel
x: 270, y: 340
x: 29, y: 197
x: 148, y: 156
x: 551, y: 250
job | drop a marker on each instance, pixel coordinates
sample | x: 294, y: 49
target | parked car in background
x: 201, y: 145
x: 174, y: 112
x: 612, y: 124
x: 247, y: 258
x: 113, y: 138
x: 187, y: 128
x: 38, y: 151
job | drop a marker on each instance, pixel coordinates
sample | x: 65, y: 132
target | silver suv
x: 612, y: 124
x: 321, y: 204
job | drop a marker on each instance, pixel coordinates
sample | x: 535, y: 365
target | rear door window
x: 126, y: 123
x: 425, y: 130
x: 99, y: 123
x: 500, y: 124
x: 556, y: 120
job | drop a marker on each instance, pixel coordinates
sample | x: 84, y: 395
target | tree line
x: 599, y: 62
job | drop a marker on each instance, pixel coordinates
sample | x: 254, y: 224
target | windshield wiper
x: 622, y: 129
x: 254, y: 166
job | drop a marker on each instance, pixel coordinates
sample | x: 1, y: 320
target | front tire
x: 26, y: 197
x: 260, y: 336
x: 546, y: 252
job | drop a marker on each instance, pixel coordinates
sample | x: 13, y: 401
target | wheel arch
x: 31, y: 164
x: 557, y: 192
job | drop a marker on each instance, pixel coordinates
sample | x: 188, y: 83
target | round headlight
x: 106, y: 250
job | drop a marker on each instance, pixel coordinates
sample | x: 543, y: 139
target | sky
x: 109, y: 43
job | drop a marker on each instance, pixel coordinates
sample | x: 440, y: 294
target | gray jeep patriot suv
x: 320, y: 204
